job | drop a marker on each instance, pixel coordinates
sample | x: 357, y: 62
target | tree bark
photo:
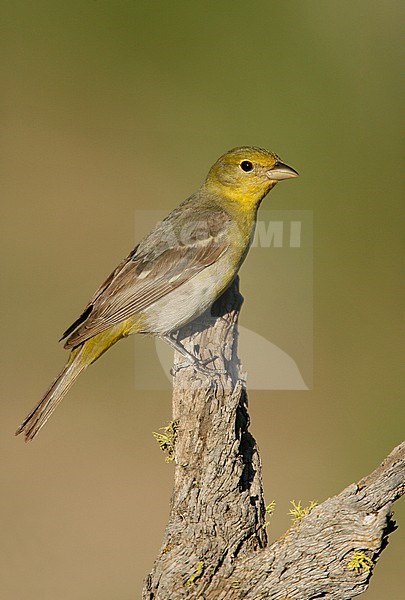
x: 215, y: 544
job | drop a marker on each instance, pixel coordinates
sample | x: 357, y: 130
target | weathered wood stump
x: 215, y: 544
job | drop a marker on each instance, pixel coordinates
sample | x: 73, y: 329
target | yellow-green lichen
x: 197, y: 573
x: 269, y: 509
x: 359, y: 562
x: 166, y: 440
x: 297, y: 512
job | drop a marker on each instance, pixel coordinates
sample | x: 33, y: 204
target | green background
x: 115, y: 107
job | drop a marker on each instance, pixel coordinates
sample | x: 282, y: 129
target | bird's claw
x: 198, y: 365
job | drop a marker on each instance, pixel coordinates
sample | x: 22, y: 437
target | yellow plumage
x: 176, y: 272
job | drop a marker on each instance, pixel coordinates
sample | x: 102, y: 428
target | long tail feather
x: 41, y: 413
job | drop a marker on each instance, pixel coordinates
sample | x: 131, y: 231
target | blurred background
x: 111, y: 108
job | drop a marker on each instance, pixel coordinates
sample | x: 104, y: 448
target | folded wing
x: 174, y: 252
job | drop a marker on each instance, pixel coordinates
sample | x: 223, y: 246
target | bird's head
x: 247, y: 174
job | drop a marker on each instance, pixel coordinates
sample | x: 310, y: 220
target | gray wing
x: 163, y: 261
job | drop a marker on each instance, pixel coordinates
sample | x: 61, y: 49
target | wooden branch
x: 215, y: 544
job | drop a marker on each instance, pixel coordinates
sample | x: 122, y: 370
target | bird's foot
x: 191, y: 360
x: 198, y: 365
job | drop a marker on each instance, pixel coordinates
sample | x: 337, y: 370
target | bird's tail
x: 64, y: 381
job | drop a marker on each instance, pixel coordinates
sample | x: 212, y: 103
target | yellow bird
x: 175, y: 273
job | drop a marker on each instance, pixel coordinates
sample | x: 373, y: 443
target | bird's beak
x: 281, y: 171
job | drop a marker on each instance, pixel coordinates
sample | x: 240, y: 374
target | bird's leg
x: 199, y: 365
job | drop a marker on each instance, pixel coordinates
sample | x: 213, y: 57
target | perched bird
x: 175, y: 273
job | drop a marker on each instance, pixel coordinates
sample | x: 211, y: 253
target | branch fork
x: 215, y: 543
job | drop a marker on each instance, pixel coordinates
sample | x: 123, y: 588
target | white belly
x: 189, y: 300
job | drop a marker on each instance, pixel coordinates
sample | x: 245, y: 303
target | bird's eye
x: 246, y: 166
